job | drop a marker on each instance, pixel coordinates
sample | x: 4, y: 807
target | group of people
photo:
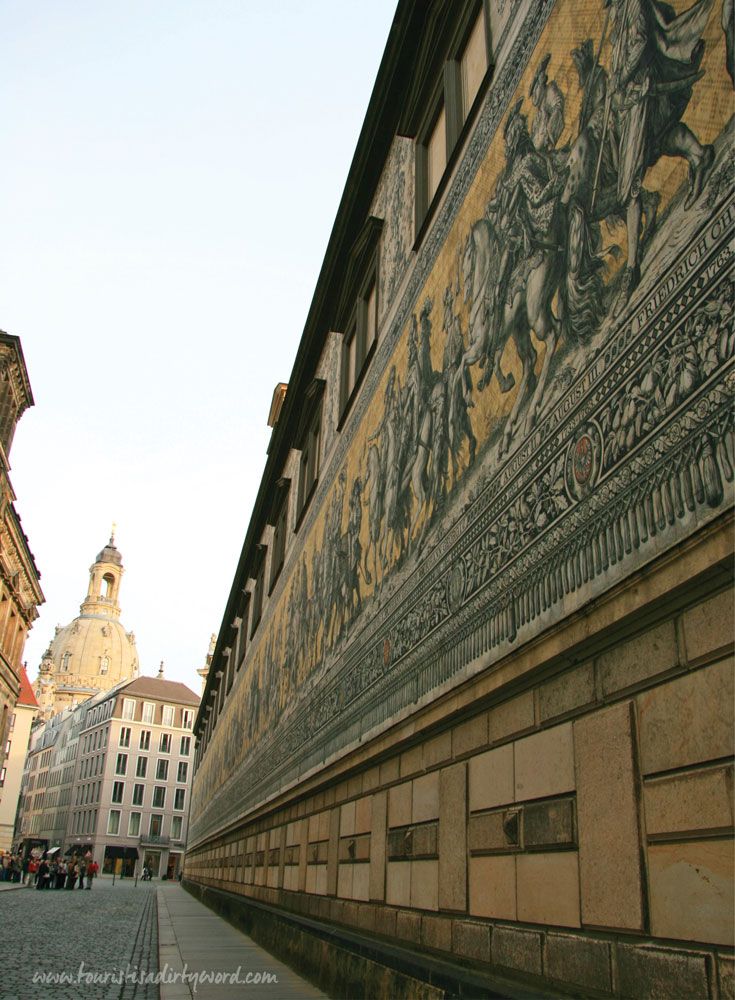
x: 12, y: 867
x: 62, y: 874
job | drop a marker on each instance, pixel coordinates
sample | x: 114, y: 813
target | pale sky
x: 170, y: 176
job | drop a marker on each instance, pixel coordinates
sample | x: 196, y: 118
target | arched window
x: 104, y: 664
x: 108, y: 581
x: 65, y: 661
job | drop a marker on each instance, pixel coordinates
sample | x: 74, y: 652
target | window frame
x: 444, y: 91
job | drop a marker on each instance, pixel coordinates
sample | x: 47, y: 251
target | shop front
x: 120, y: 861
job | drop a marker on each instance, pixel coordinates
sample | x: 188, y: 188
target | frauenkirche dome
x: 94, y: 652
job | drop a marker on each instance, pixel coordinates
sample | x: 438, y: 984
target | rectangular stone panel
x: 639, y: 658
x: 692, y: 890
x: 549, y: 824
x: 379, y: 811
x: 363, y: 814
x: 471, y: 940
x: 548, y: 888
x: 661, y: 972
x: 425, y: 885
x: 685, y: 803
x: 398, y: 883
x: 452, y: 837
x: 572, y: 689
x: 400, y: 803
x: 579, y: 961
x: 361, y: 881
x: 491, y: 778
x: 517, y: 949
x: 513, y: 716
x: 347, y: 820
x: 607, y: 816
x: 688, y: 720
x: 544, y: 763
x: 493, y: 887
x: 333, y: 856
x: 708, y: 627
x: 425, y: 799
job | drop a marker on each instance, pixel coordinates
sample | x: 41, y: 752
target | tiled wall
x: 580, y: 830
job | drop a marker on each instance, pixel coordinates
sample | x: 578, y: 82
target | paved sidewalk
x: 193, y: 939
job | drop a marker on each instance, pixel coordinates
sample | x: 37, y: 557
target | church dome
x: 95, y: 651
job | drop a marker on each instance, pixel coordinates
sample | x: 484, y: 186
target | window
x: 159, y: 797
x: 65, y: 661
x: 128, y: 708
x: 162, y: 770
x: 121, y: 766
x: 176, y: 828
x: 279, y: 520
x: 134, y: 824
x: 156, y: 825
x: 149, y: 710
x: 182, y: 772
x: 168, y: 715
x: 117, y: 791
x: 141, y: 767
x: 165, y: 743
x: 104, y: 664
x: 138, y: 791
x: 436, y: 112
x: 259, y: 577
x: 179, y: 796
x: 242, y: 636
x: 125, y: 736
x: 309, y: 466
x: 113, y: 821
x: 359, y: 340
x: 185, y: 746
x: 187, y: 719
x: 145, y: 739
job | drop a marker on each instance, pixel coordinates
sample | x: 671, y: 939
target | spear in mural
x: 608, y: 97
x: 595, y: 66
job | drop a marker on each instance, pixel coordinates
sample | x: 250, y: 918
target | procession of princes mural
x: 609, y: 159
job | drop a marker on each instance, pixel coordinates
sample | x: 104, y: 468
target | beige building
x: 16, y: 747
x: 112, y: 777
x: 20, y: 591
x: 95, y: 651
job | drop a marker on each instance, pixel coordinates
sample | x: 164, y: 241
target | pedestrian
x: 60, y: 875
x: 5, y: 862
x: 71, y: 874
x: 15, y: 864
x: 33, y: 871
x: 82, y: 874
x: 25, y: 866
x: 92, y: 869
x: 42, y: 878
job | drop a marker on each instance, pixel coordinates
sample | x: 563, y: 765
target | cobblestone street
x: 83, y: 936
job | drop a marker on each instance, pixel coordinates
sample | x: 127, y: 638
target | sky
x: 170, y: 175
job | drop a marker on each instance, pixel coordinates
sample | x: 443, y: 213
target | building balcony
x: 154, y: 840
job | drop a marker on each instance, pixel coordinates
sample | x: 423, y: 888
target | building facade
x: 20, y: 590
x: 95, y: 651
x: 469, y: 717
x: 112, y: 777
x: 16, y: 747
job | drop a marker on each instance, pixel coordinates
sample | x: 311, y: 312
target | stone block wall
x: 573, y: 827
